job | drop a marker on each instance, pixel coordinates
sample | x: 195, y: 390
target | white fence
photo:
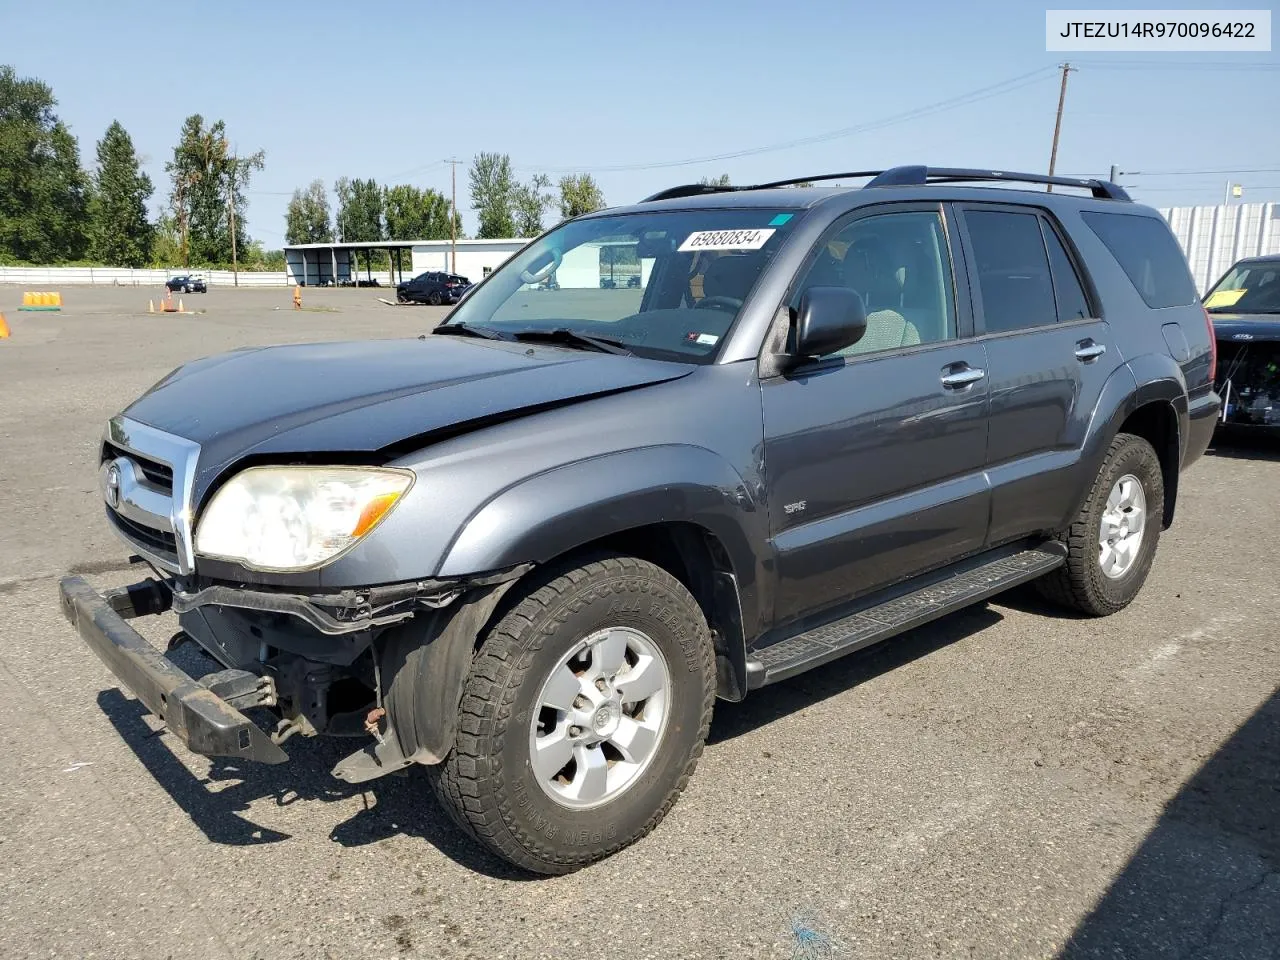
x: 37, y: 278
x: 1214, y: 238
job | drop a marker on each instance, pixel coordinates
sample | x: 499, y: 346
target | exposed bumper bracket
x: 197, y: 716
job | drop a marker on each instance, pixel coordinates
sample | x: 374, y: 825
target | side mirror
x: 829, y: 319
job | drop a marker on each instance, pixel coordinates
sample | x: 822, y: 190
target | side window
x: 1146, y: 251
x: 1012, y: 270
x: 1072, y: 303
x: 899, y: 264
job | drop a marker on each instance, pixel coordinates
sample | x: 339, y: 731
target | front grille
x: 157, y: 473
x: 159, y: 542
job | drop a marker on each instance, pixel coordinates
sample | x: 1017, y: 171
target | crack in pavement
x: 14, y: 584
x: 1215, y: 925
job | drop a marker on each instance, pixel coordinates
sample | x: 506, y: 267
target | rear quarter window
x: 1149, y: 255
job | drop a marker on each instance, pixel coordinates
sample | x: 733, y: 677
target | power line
x: 1225, y: 65
x: 1176, y: 173
x: 941, y: 106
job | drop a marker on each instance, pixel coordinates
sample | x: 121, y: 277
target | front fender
x: 554, y: 512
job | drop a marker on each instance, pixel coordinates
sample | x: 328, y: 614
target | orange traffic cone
x: 180, y: 307
x: 4, y: 328
x: 151, y: 307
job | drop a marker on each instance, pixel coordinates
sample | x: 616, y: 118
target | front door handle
x: 962, y: 376
x: 1087, y: 350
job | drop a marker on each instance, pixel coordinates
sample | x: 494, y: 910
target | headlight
x: 296, y: 518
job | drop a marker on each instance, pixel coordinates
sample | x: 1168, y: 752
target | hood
x: 1244, y: 327
x: 365, y: 396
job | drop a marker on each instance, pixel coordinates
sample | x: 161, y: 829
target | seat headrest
x: 731, y: 276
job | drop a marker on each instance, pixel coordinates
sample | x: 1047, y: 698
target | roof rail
x: 909, y: 176
x: 920, y: 175
x: 822, y: 176
x: 689, y: 190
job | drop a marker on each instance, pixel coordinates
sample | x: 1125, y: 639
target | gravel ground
x: 1010, y: 782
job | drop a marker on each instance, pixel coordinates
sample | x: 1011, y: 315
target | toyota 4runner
x: 529, y: 550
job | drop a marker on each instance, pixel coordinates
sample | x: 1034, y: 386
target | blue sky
x: 388, y: 90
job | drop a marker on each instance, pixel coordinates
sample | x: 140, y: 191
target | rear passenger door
x: 1048, y: 353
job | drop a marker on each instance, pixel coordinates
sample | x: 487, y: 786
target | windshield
x: 664, y: 284
x: 1248, y: 288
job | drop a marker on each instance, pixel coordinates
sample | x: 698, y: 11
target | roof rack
x: 910, y: 176
x: 920, y: 175
x: 689, y: 190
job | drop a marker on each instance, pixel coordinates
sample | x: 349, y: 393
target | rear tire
x: 551, y: 681
x: 436, y: 299
x: 1112, y: 542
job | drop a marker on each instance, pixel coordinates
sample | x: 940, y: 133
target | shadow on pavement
x: 1206, y: 881
x: 219, y: 805
x: 770, y: 703
x: 1244, y: 445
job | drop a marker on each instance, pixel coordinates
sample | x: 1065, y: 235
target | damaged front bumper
x: 205, y: 722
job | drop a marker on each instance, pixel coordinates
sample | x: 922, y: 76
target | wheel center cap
x: 605, y: 720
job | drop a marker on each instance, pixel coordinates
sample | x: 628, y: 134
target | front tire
x: 1112, y: 542
x: 583, y: 716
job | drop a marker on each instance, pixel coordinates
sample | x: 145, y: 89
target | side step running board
x: 946, y: 594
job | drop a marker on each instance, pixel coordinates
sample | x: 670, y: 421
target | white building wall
x: 476, y: 258
x: 1214, y: 238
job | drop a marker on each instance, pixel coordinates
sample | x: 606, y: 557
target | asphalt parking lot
x: 1011, y: 782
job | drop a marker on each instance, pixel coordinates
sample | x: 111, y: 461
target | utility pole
x: 231, y: 210
x: 1057, y: 123
x: 453, y: 216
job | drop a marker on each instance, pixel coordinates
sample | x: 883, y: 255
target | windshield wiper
x: 465, y: 330
x: 571, y: 338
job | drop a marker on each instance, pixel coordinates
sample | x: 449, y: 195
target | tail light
x: 1213, y: 347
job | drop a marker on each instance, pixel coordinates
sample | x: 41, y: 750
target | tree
x: 414, y: 214
x: 720, y: 181
x: 43, y: 190
x: 529, y: 202
x: 208, y: 181
x: 307, y: 218
x: 492, y: 190
x: 579, y: 194
x: 360, y: 210
x: 120, y: 234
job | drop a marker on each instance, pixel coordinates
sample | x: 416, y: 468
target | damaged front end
x: 318, y: 663
x: 1248, y: 378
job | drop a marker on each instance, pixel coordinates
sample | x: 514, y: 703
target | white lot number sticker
x: 725, y: 240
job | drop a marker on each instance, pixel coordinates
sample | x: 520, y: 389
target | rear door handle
x: 1087, y: 350
x: 961, y: 375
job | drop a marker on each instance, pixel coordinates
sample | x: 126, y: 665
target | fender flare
x: 550, y: 514
x: 1146, y: 379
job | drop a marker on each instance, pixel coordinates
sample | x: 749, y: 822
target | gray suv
x: 530, y: 550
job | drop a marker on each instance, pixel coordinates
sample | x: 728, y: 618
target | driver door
x: 874, y: 455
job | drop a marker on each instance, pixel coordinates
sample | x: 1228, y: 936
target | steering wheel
x: 731, y: 304
x: 538, y: 276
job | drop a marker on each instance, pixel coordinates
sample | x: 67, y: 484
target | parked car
x: 434, y: 288
x: 1245, y: 309
x: 529, y: 553
x: 187, y: 284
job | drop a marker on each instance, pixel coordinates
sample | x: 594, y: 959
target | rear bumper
x: 204, y: 722
x: 1202, y: 417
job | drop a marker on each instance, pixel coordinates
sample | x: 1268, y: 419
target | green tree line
x: 53, y: 210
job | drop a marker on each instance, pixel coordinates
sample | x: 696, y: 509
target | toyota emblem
x: 112, y: 489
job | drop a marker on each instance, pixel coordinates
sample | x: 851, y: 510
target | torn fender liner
x: 424, y: 664
x: 199, y: 718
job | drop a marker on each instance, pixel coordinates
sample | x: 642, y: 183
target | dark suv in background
x: 529, y: 550
x: 433, y: 288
